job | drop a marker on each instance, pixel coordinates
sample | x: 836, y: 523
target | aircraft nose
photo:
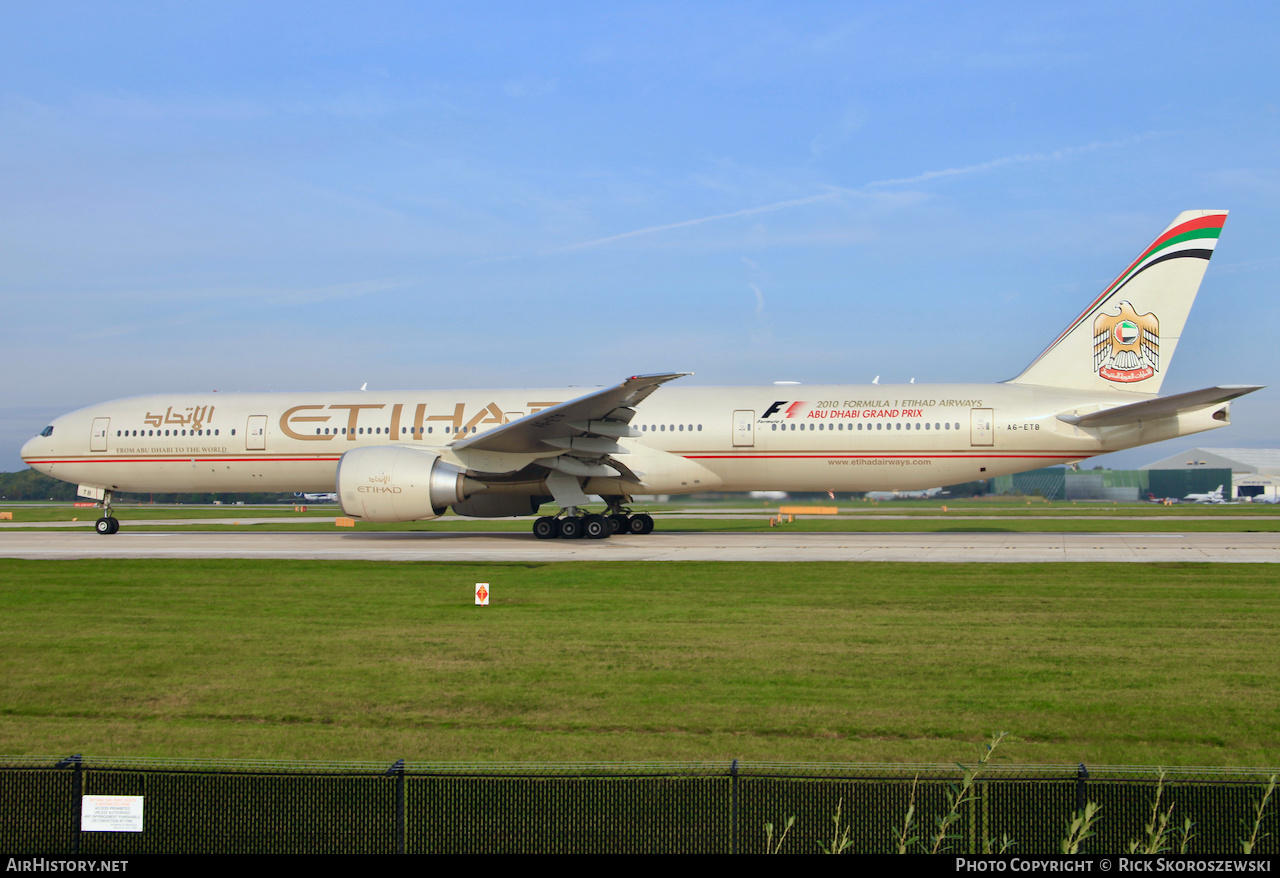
x: 33, y: 449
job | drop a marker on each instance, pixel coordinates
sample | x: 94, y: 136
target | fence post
x: 1082, y: 774
x: 733, y: 800
x: 397, y: 771
x: 982, y: 816
x: 77, y: 790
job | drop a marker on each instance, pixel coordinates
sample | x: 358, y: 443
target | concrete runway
x: 958, y: 518
x: 658, y: 546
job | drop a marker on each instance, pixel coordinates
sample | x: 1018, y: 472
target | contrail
x: 765, y: 208
x: 1023, y: 158
x: 986, y: 166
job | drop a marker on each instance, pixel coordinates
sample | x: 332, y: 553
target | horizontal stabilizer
x: 1160, y: 408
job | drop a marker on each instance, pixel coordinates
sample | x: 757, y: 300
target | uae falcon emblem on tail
x: 1126, y: 347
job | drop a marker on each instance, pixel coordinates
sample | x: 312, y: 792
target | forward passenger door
x: 98, y: 435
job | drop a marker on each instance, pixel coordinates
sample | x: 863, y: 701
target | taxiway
x: 776, y: 546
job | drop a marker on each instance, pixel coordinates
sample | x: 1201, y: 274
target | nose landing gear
x: 107, y: 524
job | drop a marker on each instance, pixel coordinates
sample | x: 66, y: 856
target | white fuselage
x: 824, y: 438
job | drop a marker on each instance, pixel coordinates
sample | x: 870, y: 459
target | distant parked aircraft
x: 1214, y: 496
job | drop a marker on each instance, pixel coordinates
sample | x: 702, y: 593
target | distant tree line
x: 31, y: 485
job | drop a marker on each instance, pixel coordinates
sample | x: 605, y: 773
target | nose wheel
x: 107, y: 524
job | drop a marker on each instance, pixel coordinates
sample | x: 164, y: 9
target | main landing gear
x: 107, y: 524
x: 573, y: 526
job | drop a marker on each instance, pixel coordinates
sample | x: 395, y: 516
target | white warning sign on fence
x: 111, y: 813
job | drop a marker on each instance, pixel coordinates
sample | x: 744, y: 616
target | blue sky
x: 306, y: 196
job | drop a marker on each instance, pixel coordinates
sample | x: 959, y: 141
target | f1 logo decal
x: 791, y: 408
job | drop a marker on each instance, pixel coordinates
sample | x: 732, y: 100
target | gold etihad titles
x: 413, y: 418
x: 196, y: 417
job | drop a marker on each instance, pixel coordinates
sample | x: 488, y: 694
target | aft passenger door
x: 744, y: 424
x: 982, y: 429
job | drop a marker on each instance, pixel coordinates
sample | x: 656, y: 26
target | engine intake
x: 387, y: 483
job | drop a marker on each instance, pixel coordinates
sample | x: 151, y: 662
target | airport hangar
x: 1255, y: 472
x: 1252, y: 474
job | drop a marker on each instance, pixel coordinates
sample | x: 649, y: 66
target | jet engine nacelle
x: 387, y: 483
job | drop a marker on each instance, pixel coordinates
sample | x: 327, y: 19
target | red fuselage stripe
x: 1073, y: 456
x: 185, y: 459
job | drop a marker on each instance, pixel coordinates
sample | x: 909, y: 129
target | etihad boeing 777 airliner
x: 412, y: 455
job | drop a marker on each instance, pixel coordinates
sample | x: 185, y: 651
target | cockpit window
x: 47, y: 431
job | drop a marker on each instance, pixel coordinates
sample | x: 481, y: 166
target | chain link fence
x: 193, y: 806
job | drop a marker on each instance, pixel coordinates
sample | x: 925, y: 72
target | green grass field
x: 1095, y: 663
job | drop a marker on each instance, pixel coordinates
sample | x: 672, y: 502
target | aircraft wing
x: 587, y: 424
x: 1160, y: 408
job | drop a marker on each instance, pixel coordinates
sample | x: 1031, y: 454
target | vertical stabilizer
x: 1125, y: 339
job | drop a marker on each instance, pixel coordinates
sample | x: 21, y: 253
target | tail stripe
x: 1197, y: 254
x: 1204, y: 238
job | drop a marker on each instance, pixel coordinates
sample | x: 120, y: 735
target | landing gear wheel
x: 640, y: 524
x: 596, y: 527
x: 546, y: 528
x: 570, y: 528
x: 618, y: 523
x: 106, y: 525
